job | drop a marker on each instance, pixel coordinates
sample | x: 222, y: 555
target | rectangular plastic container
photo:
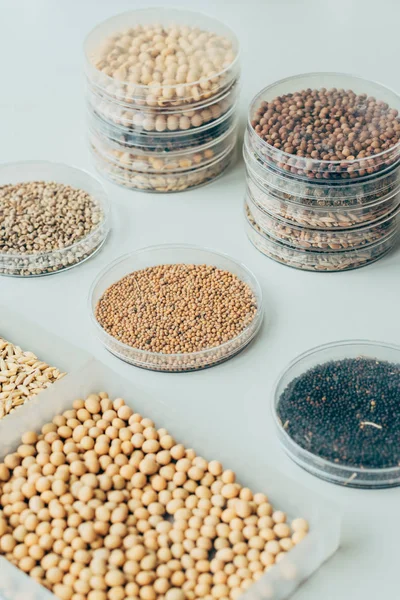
x: 279, y: 582
x: 18, y: 330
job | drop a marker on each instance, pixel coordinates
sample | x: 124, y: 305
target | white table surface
x: 43, y: 117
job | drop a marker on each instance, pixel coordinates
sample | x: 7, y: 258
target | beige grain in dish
x: 22, y: 376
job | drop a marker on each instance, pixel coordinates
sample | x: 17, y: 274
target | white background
x: 43, y: 117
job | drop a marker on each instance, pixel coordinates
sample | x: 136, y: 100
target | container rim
x: 158, y: 10
x: 98, y: 92
x: 105, y: 206
x: 355, y: 229
x: 311, y: 251
x: 180, y: 173
x: 193, y: 131
x: 201, y: 353
x: 316, y: 162
x: 306, y: 455
x: 250, y: 156
x: 163, y: 154
x: 316, y: 207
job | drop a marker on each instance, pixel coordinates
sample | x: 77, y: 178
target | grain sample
x: 46, y: 226
x: 173, y: 64
x: 176, y: 308
x: 336, y: 126
x: 346, y: 411
x: 22, y: 376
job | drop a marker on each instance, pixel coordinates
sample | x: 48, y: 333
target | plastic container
x: 160, y: 142
x: 166, y: 162
x: 163, y: 182
x: 174, y: 254
x: 319, y: 193
x: 312, y: 260
x: 309, y: 168
x: 168, y: 120
x: 276, y: 584
x: 321, y: 217
x: 164, y: 94
x: 329, y: 470
x: 47, y: 263
x: 319, y: 239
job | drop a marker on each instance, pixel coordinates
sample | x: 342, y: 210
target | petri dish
x: 306, y: 167
x: 174, y: 254
x: 357, y: 447
x: 53, y: 261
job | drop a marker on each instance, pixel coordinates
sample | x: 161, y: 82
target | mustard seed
x: 198, y: 306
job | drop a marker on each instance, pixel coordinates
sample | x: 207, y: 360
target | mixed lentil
x: 149, y: 162
x: 316, y: 260
x: 346, y: 411
x: 163, y: 181
x: 320, y: 239
x: 176, y: 308
x: 347, y: 130
x: 46, y: 226
x: 313, y: 216
x: 101, y: 505
x: 22, y: 376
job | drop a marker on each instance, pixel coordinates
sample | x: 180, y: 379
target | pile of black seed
x: 346, y: 411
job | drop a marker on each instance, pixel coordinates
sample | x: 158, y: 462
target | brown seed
x: 219, y: 311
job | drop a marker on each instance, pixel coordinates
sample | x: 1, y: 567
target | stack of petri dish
x: 162, y: 92
x: 337, y: 211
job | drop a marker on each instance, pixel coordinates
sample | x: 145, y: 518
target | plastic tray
x: 18, y: 330
x: 47, y: 263
x: 163, y: 182
x: 311, y: 260
x: 162, y: 163
x: 171, y: 254
x: 331, y: 471
x: 164, y: 94
x: 319, y: 239
x: 321, y: 217
x: 278, y: 583
x: 321, y: 193
x: 168, y: 121
x: 309, y: 168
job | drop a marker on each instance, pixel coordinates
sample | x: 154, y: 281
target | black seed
x: 346, y: 411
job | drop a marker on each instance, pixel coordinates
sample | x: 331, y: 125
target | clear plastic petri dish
x: 213, y: 70
x: 167, y: 141
x: 321, y: 217
x: 312, y: 260
x: 166, y: 121
x: 162, y: 162
x: 164, y: 182
x: 319, y: 239
x: 31, y: 264
x: 340, y: 167
x: 321, y: 193
x: 324, y: 453
x: 174, y: 254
